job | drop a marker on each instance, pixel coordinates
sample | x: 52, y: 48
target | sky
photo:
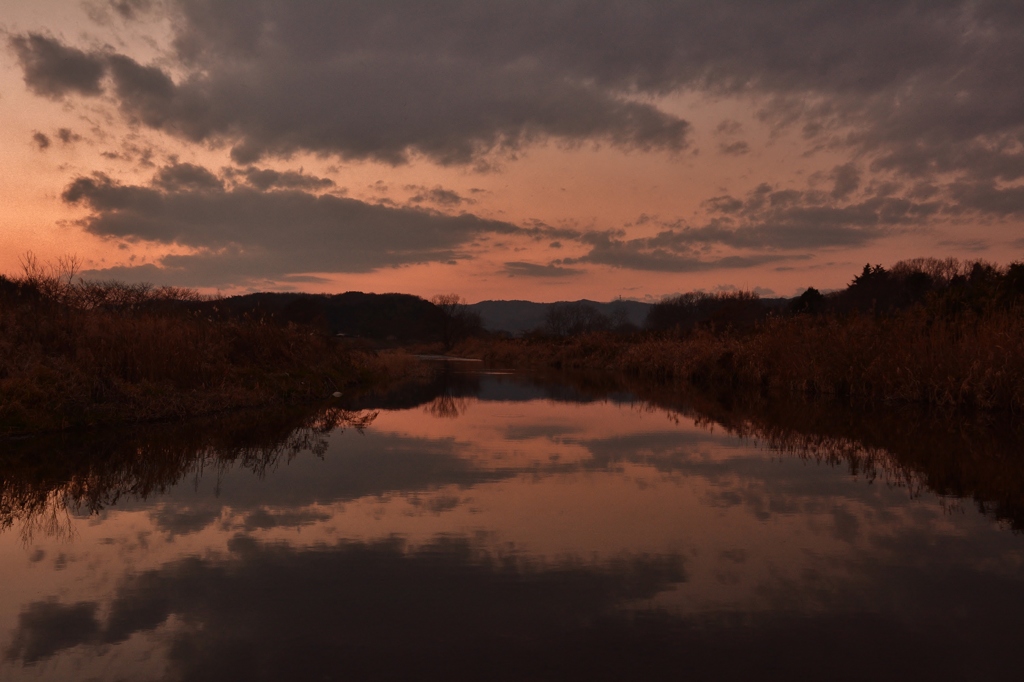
x: 537, y: 149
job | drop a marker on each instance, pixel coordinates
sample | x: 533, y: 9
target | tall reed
x: 969, y: 361
x: 74, y: 353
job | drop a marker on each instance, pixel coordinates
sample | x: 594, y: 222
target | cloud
x: 738, y: 148
x: 970, y: 245
x: 768, y: 218
x: 729, y: 127
x: 987, y: 197
x: 847, y: 179
x: 41, y: 140
x: 263, y: 518
x: 178, y: 521
x: 347, y: 606
x: 46, y: 627
x: 274, y: 226
x: 767, y: 225
x: 68, y: 136
x: 522, y: 269
x: 243, y: 232
x: 53, y: 70
x: 658, y: 254
x: 913, y: 83
x: 437, y: 195
x: 148, y: 95
x: 919, y: 102
x: 386, y: 83
x: 180, y: 177
x: 921, y: 88
x: 130, y: 9
x: 266, y: 178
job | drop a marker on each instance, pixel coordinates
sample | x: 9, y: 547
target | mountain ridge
x: 517, y: 316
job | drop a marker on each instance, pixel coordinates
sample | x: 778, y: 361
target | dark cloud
x: 765, y: 226
x: 986, y: 197
x: 243, y: 232
x: 724, y: 204
x: 270, y: 227
x: 185, y: 521
x: 971, y: 245
x: 265, y: 519
x: 437, y: 195
x: 387, y: 610
x: 54, y: 70
x: 738, y: 148
x: 847, y: 179
x: 923, y: 85
x: 46, y: 627
x: 794, y: 219
x: 146, y: 94
x: 664, y: 253
x: 266, y: 178
x: 522, y: 269
x: 41, y: 140
x: 922, y: 88
x: 729, y: 127
x: 130, y: 9
x: 68, y: 136
x: 923, y: 98
x: 379, y: 610
x: 379, y: 83
x: 184, y: 177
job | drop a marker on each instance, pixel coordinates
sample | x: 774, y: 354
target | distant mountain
x: 516, y: 317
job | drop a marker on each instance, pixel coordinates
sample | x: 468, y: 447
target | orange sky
x: 614, y: 171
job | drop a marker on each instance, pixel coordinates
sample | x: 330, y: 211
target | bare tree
x: 457, y: 321
x: 569, y: 319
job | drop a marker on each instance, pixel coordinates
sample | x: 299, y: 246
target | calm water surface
x: 502, y: 530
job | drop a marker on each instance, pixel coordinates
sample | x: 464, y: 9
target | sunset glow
x: 544, y: 151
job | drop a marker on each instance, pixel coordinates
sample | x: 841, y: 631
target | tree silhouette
x: 457, y: 321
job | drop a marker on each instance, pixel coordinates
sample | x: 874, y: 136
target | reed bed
x: 964, y: 363
x: 76, y: 354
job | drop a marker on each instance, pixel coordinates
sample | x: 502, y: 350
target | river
x: 493, y: 527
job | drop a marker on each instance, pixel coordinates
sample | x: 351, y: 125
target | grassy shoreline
x: 941, y: 334
x: 75, y: 355
x: 969, y: 365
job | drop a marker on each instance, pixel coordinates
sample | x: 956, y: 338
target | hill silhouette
x: 396, y: 317
x: 517, y: 317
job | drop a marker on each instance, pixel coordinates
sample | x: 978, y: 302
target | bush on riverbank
x: 75, y: 353
x: 953, y: 341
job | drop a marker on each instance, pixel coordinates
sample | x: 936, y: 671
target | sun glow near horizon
x: 164, y: 142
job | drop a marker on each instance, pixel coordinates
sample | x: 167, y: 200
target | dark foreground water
x: 491, y: 529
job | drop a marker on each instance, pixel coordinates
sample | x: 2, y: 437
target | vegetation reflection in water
x: 486, y: 526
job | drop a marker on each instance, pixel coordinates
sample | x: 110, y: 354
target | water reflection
x: 493, y: 527
x: 44, y: 481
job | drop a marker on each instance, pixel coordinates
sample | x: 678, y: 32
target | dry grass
x: 970, y: 362
x: 78, y: 354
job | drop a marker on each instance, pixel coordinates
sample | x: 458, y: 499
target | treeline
x: 951, y: 285
x: 941, y: 333
x: 579, y: 317
x: 948, y: 288
x: 76, y: 353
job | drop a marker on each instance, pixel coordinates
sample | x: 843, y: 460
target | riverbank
x: 77, y: 355
x: 968, y: 364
